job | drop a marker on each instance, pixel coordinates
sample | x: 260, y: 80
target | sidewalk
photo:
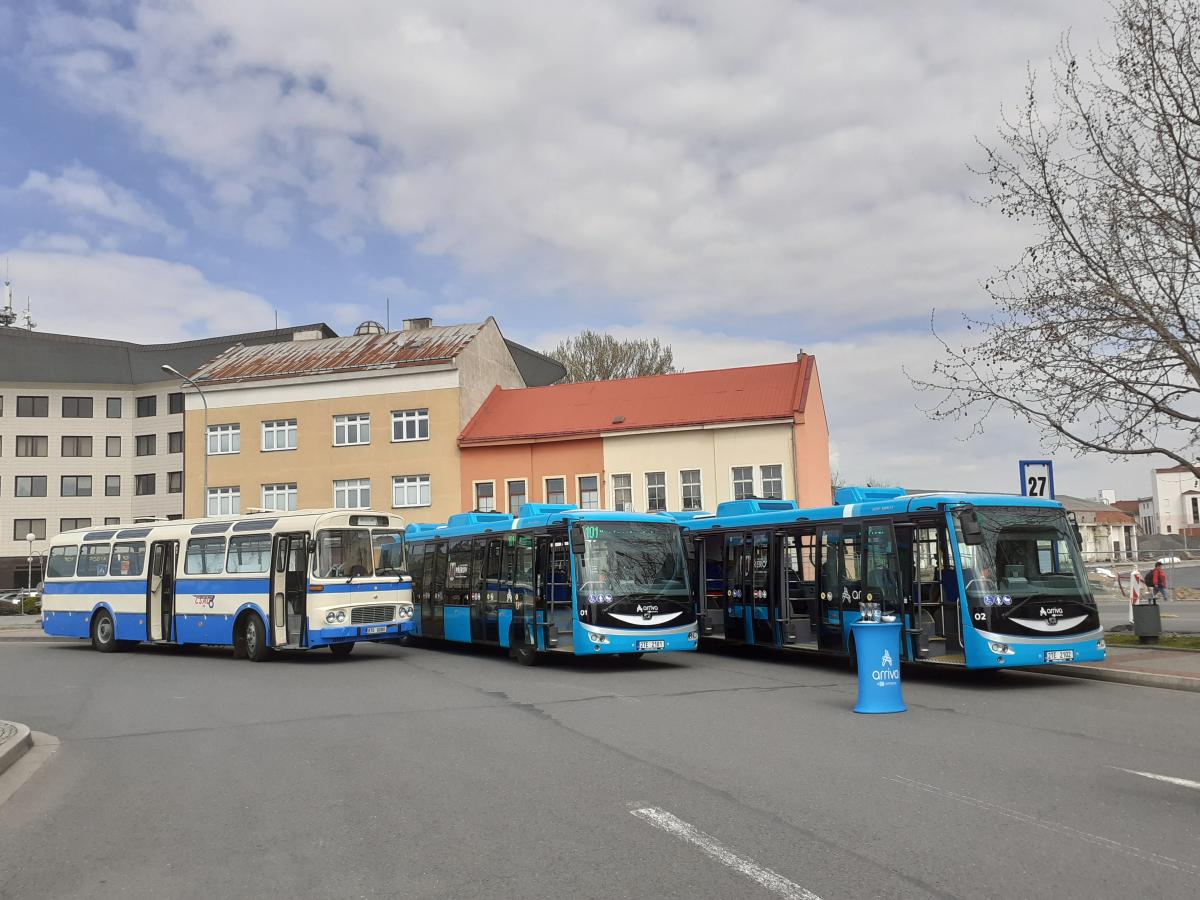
x: 1175, y: 669
x: 25, y: 628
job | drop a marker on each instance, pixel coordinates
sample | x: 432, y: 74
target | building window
x: 516, y: 496
x: 72, y: 524
x: 112, y: 520
x: 1195, y: 509
x: 656, y: 491
x: 410, y: 425
x: 76, y: 407
x: 279, y: 434
x: 76, y: 486
x: 112, y: 485
x: 352, y: 493
x: 772, y: 482
x: 589, y: 492
x: 33, y: 407
x: 224, y: 439
x: 76, y: 446
x: 349, y: 431
x: 174, y: 482
x: 224, y: 501
x: 112, y: 407
x: 485, y: 496
x: 689, y: 489
x: 143, y: 485
x: 145, y: 445
x: 623, y: 493
x: 31, y: 486
x: 175, y: 442
x: 112, y: 446
x: 147, y: 406
x: 743, y: 482
x: 556, y: 490
x: 175, y: 403
x: 32, y: 445
x: 411, y: 490
x: 281, y: 497
x: 22, y: 528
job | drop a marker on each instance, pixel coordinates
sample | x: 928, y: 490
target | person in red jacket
x: 1157, y: 579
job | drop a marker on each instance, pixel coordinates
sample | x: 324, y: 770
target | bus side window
x: 522, y: 564
x: 416, y: 568
x: 761, y: 564
x: 491, y: 574
x: 458, y: 571
x: 436, y: 569
x: 479, y: 551
x: 559, y: 590
x: 714, y: 571
x: 852, y: 564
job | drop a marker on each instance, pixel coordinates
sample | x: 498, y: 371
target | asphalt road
x: 410, y: 772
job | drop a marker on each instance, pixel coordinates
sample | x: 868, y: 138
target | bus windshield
x: 632, y: 560
x: 1026, y: 552
x: 350, y: 553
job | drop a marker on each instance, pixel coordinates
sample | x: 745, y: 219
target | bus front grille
x: 365, y: 615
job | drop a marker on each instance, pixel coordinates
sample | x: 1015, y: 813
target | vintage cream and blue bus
x: 260, y: 582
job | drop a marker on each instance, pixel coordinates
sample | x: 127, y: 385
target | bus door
x: 160, y: 591
x: 457, y: 606
x: 736, y: 568
x: 414, y: 554
x: 710, y: 582
x: 798, y: 587
x: 483, y: 612
x: 289, y: 589
x: 883, y: 582
x: 433, y: 622
x: 748, y: 614
x: 840, y: 584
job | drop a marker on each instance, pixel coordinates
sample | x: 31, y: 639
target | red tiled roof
x: 589, y: 408
x: 1128, y: 506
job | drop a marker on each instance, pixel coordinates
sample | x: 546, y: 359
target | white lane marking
x: 772, y: 881
x: 1182, y: 782
x: 1058, y: 827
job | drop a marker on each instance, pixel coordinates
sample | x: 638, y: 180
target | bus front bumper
x: 1006, y: 651
x: 597, y: 641
x: 341, y: 634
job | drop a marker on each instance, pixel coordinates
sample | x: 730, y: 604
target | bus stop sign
x: 1037, y: 478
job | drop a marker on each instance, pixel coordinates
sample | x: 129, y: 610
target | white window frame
x: 546, y: 479
x: 762, y: 491
x: 423, y: 485
x: 275, y: 427
x: 700, y: 484
x: 665, y: 497
x: 358, y: 420
x: 475, y: 495
x: 508, y: 493
x: 355, y: 485
x: 404, y: 417
x: 733, y: 482
x: 285, y: 489
x: 579, y: 490
x: 613, y: 487
x: 233, y: 432
x: 230, y: 496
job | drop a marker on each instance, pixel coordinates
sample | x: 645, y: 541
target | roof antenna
x: 276, y: 320
x: 7, y: 315
x: 388, y: 302
x: 28, y: 316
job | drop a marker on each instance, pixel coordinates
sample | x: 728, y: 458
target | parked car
x: 1169, y: 560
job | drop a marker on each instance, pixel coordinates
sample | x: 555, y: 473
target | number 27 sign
x: 1037, y: 478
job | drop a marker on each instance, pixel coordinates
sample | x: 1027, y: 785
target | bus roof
x: 530, y: 515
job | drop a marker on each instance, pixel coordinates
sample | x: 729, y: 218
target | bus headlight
x: 1000, y: 649
x: 597, y: 638
x: 1101, y: 644
x: 693, y: 636
x: 329, y: 617
x: 404, y: 612
x: 341, y: 615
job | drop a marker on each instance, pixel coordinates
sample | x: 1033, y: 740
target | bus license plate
x: 375, y: 629
x: 652, y: 645
x: 1060, y: 655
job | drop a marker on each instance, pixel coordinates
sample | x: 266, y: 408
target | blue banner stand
x: 878, y: 647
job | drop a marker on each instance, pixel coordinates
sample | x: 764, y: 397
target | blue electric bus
x: 985, y: 581
x: 555, y: 579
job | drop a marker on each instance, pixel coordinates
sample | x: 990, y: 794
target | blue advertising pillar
x: 878, y: 647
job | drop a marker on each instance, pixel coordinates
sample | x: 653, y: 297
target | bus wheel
x: 525, y: 655
x: 341, y: 649
x: 104, y: 633
x: 254, y: 638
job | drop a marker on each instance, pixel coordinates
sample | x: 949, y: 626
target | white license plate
x: 1059, y: 655
x: 375, y: 629
x: 652, y: 645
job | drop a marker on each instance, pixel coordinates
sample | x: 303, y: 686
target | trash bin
x: 877, y: 645
x: 1147, y: 622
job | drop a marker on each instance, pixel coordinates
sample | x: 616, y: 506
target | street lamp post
x: 173, y: 371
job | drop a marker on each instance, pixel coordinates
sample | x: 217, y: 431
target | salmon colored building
x: 684, y: 441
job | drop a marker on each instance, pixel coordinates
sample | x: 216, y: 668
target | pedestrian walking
x: 1157, y: 580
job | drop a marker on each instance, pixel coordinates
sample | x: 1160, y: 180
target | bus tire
x: 104, y: 633
x: 525, y: 655
x: 341, y: 649
x: 253, y: 637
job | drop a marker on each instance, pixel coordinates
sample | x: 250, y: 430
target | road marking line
x: 1182, y: 782
x: 772, y: 881
x: 1058, y: 827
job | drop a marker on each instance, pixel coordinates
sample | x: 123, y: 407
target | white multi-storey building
x: 91, y: 433
x: 1176, y: 501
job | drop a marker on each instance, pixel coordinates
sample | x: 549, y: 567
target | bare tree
x: 592, y: 356
x: 1094, y: 335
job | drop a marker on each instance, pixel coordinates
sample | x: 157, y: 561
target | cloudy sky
x: 744, y: 180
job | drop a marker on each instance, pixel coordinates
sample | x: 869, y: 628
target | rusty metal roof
x: 391, y: 350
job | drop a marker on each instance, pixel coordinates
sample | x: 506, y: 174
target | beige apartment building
x: 366, y: 421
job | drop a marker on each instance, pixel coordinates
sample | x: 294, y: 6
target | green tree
x: 591, y: 356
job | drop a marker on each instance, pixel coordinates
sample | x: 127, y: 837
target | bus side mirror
x: 578, y: 544
x: 968, y: 523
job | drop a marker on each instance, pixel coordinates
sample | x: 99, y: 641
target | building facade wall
x: 484, y: 364
x: 533, y: 463
x: 813, y: 477
x: 316, y: 462
x: 1172, y: 506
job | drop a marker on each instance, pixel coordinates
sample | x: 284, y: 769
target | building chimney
x: 418, y: 324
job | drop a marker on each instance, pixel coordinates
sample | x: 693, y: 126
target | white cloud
x: 84, y: 192
x: 136, y: 298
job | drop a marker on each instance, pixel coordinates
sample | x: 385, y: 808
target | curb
x: 15, y: 748
x: 14, y: 635
x: 1123, y: 676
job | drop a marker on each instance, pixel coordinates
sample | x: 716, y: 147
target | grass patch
x: 1171, y: 641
